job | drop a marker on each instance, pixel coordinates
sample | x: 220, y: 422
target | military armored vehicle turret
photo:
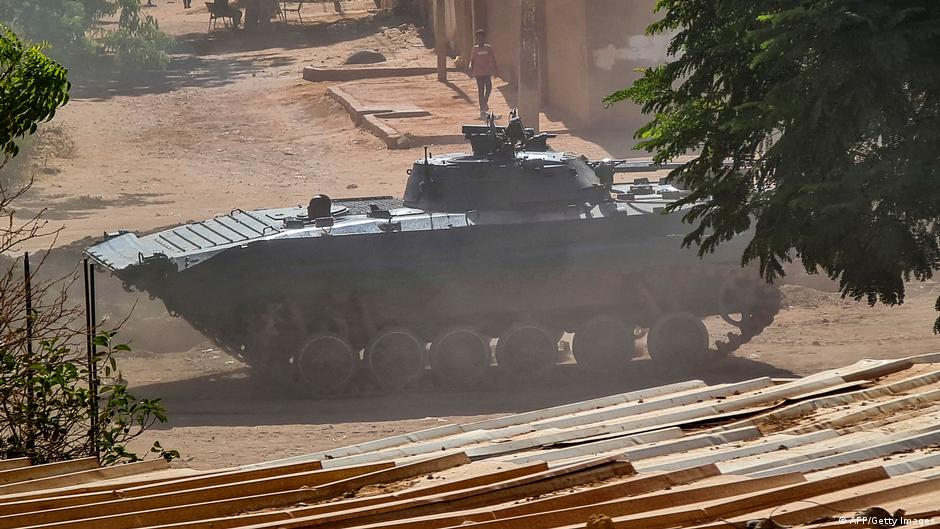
x: 512, y: 244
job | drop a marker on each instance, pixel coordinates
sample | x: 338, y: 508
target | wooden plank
x: 489, y: 442
x: 766, y: 445
x: 13, y: 503
x: 484, y: 444
x: 878, y: 368
x: 926, y: 358
x: 843, y: 420
x: 9, y: 464
x: 657, y: 448
x: 787, y: 494
x: 806, y: 407
x: 639, y: 484
x: 534, y: 485
x: 662, y: 519
x: 847, y: 501
x: 650, y: 502
x: 50, y: 469
x: 157, y: 486
x: 632, y: 486
x: 866, y: 453
x: 641, y: 406
x: 692, y: 414
x: 127, y: 500
x: 492, y: 424
x: 583, y: 449
x: 182, y: 506
x: 271, y: 516
x: 916, y: 464
x: 749, y: 465
x: 892, y: 419
x: 584, y: 406
x: 851, y: 501
x: 236, y: 476
x: 85, y: 476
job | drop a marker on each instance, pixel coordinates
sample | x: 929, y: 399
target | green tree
x: 74, y: 32
x: 32, y: 87
x: 46, y: 406
x: 816, y: 123
x: 138, y: 42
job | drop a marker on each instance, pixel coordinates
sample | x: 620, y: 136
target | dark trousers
x: 187, y: 4
x: 484, y: 89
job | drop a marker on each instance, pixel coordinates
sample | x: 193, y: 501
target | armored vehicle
x: 512, y: 244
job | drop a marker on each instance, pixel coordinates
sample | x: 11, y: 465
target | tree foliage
x: 46, y: 406
x: 32, y: 87
x: 46, y: 401
x: 138, y: 42
x: 74, y: 31
x: 816, y: 123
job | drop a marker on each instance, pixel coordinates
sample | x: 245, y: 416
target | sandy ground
x: 231, y: 124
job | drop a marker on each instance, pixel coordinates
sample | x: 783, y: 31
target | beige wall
x: 565, y: 81
x: 502, y: 26
x: 591, y: 49
x: 458, y: 22
x: 617, y: 45
x: 450, y: 22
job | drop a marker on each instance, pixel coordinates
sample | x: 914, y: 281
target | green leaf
x: 848, y: 94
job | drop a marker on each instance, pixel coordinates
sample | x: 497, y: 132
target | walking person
x: 187, y: 4
x: 483, y: 68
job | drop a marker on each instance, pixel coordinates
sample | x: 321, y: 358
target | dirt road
x: 232, y: 124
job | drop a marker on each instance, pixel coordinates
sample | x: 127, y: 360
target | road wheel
x: 603, y: 343
x: 396, y: 358
x: 460, y: 356
x: 678, y: 337
x: 527, y: 350
x: 325, y: 365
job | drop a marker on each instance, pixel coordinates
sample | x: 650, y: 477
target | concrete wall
x: 591, y: 49
x: 502, y: 30
x: 458, y: 25
x: 565, y: 61
x: 450, y: 16
x: 617, y: 45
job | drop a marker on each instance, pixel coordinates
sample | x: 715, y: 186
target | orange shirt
x: 483, y: 61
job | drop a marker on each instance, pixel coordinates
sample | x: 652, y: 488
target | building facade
x: 588, y: 49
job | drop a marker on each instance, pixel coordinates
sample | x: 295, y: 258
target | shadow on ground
x: 293, y: 35
x: 236, y: 399
x: 62, y: 207
x: 207, y: 60
x: 184, y: 71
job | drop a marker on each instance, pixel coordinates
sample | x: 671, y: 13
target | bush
x: 49, y: 410
x: 46, y: 405
x: 74, y: 32
x: 138, y: 42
